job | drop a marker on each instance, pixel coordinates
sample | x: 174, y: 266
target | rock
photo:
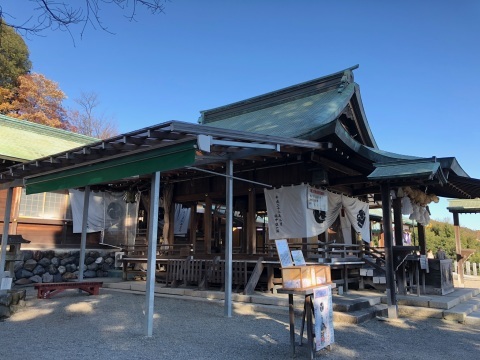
x: 18, y: 295
x: 90, y: 274
x: 93, y: 266
x: 106, y: 267
x: 94, y: 254
x: 23, y: 281
x: 68, y: 260
x: 47, y: 278
x: 27, y: 255
x: 101, y: 273
x: 62, y: 269
x: 21, y: 274
x: 49, y: 254
x: 37, y: 255
x: 18, y: 265
x: 89, y: 260
x: 30, y: 264
x: 57, y: 277
x: 5, y: 312
x: 68, y: 276
x: 55, y: 261
x: 6, y: 298
x: 110, y: 260
x: 36, y: 279
x: 71, y: 267
x: 52, y: 269
x: 39, y: 270
x: 99, y: 260
x: 45, y: 262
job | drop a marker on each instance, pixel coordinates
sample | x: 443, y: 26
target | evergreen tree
x: 14, y: 56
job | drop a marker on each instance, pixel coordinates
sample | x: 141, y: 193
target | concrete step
x: 461, y: 311
x: 473, y: 318
x: 347, y: 305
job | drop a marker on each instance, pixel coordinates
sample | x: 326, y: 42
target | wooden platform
x: 47, y: 290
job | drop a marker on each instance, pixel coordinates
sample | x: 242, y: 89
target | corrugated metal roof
x: 294, y: 119
x: 23, y: 140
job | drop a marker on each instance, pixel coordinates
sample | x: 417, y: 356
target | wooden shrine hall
x: 312, y: 133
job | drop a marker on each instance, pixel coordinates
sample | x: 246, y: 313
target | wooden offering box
x: 299, y: 277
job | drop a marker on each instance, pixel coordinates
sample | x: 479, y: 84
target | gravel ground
x: 110, y: 326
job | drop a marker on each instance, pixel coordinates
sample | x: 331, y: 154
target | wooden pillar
x: 388, y: 238
x: 422, y: 243
x: 458, y: 249
x: 398, y: 228
x: 6, y: 224
x: 251, y: 223
x: 397, y: 218
x: 171, y: 228
x: 207, y: 225
x: 193, y: 227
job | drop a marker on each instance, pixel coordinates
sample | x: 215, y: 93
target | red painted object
x: 47, y: 290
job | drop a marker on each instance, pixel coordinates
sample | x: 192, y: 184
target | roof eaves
x: 322, y: 84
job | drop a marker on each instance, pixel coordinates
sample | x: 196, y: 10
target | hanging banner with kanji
x: 289, y: 215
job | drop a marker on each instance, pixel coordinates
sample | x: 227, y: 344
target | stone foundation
x: 52, y: 266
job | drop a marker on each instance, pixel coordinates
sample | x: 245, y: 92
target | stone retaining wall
x: 56, y: 266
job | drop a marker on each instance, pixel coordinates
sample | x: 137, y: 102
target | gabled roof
x: 298, y: 111
x: 23, y: 140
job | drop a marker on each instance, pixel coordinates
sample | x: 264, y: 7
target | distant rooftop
x: 23, y: 140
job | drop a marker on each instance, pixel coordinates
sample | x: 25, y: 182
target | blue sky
x: 419, y: 73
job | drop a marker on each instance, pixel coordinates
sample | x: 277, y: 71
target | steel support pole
x: 152, y: 252
x: 228, y: 239
x: 83, y: 239
x: 458, y: 250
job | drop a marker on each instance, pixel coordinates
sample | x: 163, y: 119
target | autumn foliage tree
x: 35, y: 99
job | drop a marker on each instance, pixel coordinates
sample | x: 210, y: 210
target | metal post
x: 228, y: 239
x: 83, y: 239
x: 458, y: 248
x: 152, y: 252
x: 6, y: 224
x: 387, y: 228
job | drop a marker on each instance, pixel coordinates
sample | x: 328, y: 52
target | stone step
x: 358, y: 316
x: 473, y: 319
x: 347, y: 305
x: 461, y: 311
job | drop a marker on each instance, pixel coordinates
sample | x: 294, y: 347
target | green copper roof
x: 409, y: 169
x: 296, y: 118
x: 22, y: 140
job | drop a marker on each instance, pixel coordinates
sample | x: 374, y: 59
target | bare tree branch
x: 62, y: 15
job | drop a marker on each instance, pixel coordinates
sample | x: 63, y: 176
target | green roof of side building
x: 22, y: 140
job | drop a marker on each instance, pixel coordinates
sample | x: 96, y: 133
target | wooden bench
x: 47, y: 290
